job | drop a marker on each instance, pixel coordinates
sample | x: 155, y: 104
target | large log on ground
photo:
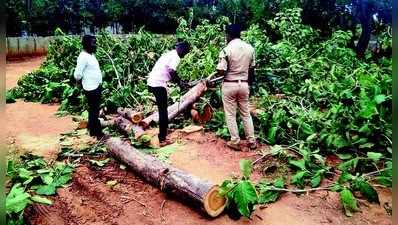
x: 186, y: 100
x: 124, y: 125
x: 199, y: 193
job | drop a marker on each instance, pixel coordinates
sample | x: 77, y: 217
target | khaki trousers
x: 236, y: 95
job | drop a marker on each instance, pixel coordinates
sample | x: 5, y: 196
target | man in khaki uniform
x: 236, y: 64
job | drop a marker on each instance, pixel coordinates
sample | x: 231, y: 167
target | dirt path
x: 17, y: 68
x: 32, y: 127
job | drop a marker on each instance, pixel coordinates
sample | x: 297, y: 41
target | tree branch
x: 300, y: 190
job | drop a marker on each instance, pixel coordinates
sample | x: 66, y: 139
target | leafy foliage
x: 31, y: 178
x: 241, y: 193
x: 342, y: 102
x: 349, y: 201
x: 266, y: 193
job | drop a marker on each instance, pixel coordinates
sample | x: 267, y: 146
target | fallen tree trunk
x: 186, y: 100
x: 130, y: 114
x: 124, y: 125
x: 199, y: 193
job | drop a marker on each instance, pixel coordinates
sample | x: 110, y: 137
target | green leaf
x: 40, y: 171
x: 306, y: 128
x: 380, y: 99
x: 37, y: 163
x: 62, y: 180
x: 245, y: 167
x: 48, y: 189
x: 368, y: 110
x: 164, y: 153
x: 43, y: 200
x: 225, y: 187
x: 375, y: 156
x: 298, y: 178
x: 339, y: 142
x: 320, y: 158
x: 10, y: 167
x: 367, y: 145
x: 245, y: 197
x: 345, y: 177
x: 367, y: 190
x: 349, y: 202
x: 47, y: 178
x: 298, y: 163
x: 344, y: 156
x: 17, y: 199
x: 383, y: 180
x: 316, y: 180
x: 145, y: 138
x: 271, y: 137
x: 279, y: 183
x: 24, y: 173
x: 276, y: 149
x: 312, y: 137
x: 63, y: 168
x: 268, y: 197
x: 336, y: 187
x: 26, y: 182
x: 365, y: 129
x: 350, y: 165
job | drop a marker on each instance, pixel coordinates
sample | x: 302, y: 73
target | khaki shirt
x: 236, y: 58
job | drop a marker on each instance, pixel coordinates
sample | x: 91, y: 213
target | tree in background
x: 15, y: 17
x: 114, y: 11
x: 42, y: 17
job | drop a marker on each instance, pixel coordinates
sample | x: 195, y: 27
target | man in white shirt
x: 236, y: 64
x: 88, y: 72
x: 165, y: 70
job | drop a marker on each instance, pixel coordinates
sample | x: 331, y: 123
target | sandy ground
x: 32, y: 127
x: 15, y: 69
x: 88, y: 200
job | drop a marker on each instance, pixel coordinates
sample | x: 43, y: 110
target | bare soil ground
x: 32, y: 127
x: 88, y: 200
x: 17, y: 68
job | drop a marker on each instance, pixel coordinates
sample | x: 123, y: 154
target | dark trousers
x: 161, y: 101
x: 94, y: 101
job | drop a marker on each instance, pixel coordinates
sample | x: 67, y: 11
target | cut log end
x: 214, y: 204
x: 130, y: 114
x: 136, y: 117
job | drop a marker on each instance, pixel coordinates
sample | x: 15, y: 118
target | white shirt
x: 160, y: 74
x: 236, y: 58
x: 88, y: 70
